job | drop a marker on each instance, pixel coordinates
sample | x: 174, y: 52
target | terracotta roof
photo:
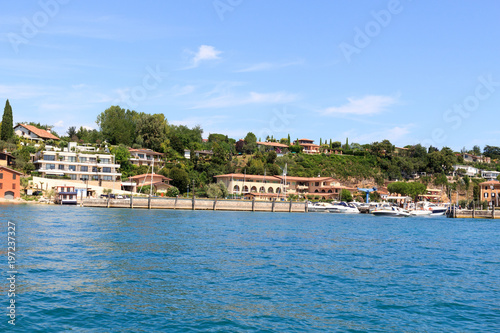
x: 10, y: 170
x: 491, y: 182
x: 148, y: 175
x: 146, y: 151
x: 273, y: 144
x: 40, y: 132
x: 240, y: 175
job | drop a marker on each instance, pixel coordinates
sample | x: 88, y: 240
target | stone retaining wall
x: 200, y: 204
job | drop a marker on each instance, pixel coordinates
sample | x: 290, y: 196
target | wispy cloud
x: 266, y: 66
x: 205, y: 53
x: 230, y: 100
x: 368, y: 105
x: 394, y: 134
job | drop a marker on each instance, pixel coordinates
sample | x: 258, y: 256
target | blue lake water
x: 122, y: 270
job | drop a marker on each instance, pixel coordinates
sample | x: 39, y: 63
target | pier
x: 473, y: 214
x: 199, y: 204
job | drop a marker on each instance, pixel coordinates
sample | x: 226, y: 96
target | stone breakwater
x: 200, y: 204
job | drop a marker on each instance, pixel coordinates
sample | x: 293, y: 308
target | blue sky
x: 408, y: 71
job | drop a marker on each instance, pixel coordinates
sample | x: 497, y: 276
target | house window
x: 486, y: 195
x: 51, y: 166
x: 105, y: 160
x: 13, y: 176
x: 84, y: 177
x: 92, y: 160
x: 316, y: 184
x: 107, y: 170
x: 83, y: 159
x: 1, y: 185
x: 107, y: 178
x: 49, y: 157
x: 61, y: 167
x: 95, y: 177
x: 71, y: 158
x: 84, y: 168
x: 13, y: 186
x: 72, y: 168
x: 73, y: 177
x: 94, y: 169
x: 1, y: 175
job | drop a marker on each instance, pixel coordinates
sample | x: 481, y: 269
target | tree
x: 345, y: 195
x: 172, y: 191
x: 7, y: 123
x: 250, y: 143
x: 180, y: 178
x: 476, y: 150
x: 118, y: 125
x: 492, y: 152
x: 217, y: 190
x: 71, y: 132
x: 122, y: 156
x: 151, y: 129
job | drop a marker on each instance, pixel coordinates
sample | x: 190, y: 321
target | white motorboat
x: 318, y: 207
x: 344, y: 208
x: 421, y: 209
x: 390, y: 211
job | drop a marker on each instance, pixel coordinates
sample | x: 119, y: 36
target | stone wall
x: 199, y: 204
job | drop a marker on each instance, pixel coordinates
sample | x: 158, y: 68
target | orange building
x: 490, y: 191
x: 10, y: 183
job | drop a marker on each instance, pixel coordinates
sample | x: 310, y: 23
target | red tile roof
x: 273, y: 144
x: 40, y: 132
x: 10, y: 170
x: 148, y: 175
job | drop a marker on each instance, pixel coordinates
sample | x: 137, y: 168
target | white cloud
x: 394, y: 134
x: 265, y: 66
x: 60, y: 123
x: 229, y: 100
x: 368, y: 105
x: 205, y: 52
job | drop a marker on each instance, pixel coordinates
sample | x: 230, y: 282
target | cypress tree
x: 7, y: 123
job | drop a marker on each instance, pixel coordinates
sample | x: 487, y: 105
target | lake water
x: 122, y: 270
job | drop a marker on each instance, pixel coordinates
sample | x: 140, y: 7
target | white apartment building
x: 145, y: 157
x: 469, y: 170
x: 490, y: 175
x: 93, y: 168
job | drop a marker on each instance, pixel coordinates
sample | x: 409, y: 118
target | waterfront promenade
x: 200, y: 204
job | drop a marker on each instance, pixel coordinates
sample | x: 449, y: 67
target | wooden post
x: 149, y: 202
x: 215, y: 203
x: 272, y: 208
x: 473, y: 210
x: 193, y: 204
x: 175, y: 203
x: 290, y: 210
x: 253, y: 204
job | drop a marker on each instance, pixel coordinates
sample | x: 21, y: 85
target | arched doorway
x: 253, y: 189
x: 270, y: 190
x: 236, y: 188
x: 9, y: 195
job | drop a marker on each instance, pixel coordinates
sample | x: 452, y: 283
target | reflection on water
x: 121, y: 269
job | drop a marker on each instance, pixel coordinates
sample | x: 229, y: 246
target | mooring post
x: 215, y: 203
x: 107, y: 203
x: 473, y: 211
x: 193, y: 208
x: 253, y: 204
x: 175, y: 202
x: 272, y: 208
x: 149, y: 202
x: 290, y: 210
